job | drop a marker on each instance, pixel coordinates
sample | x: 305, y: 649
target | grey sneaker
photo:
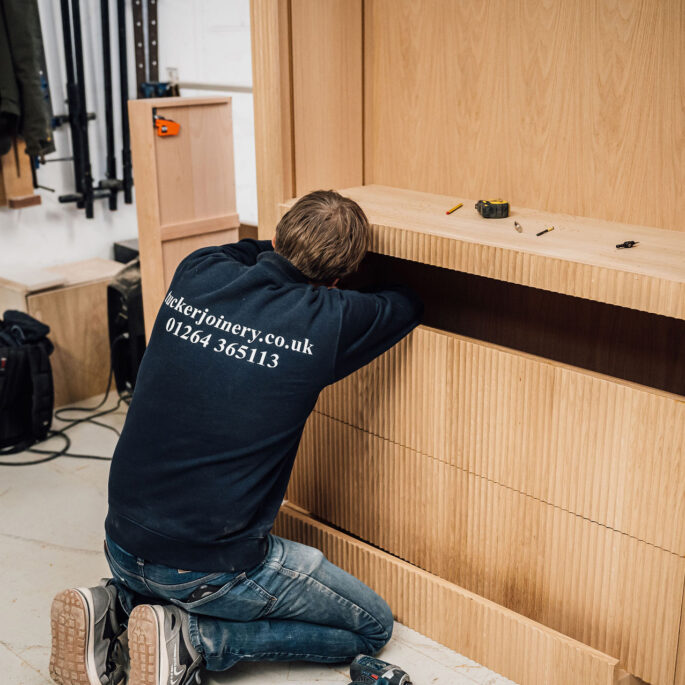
x: 86, y: 637
x: 160, y: 647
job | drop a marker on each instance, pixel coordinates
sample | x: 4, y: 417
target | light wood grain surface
x: 612, y: 452
x: 271, y: 31
x: 518, y: 648
x: 602, y: 587
x: 77, y: 317
x: 625, y: 343
x: 327, y: 93
x: 578, y: 258
x: 185, y: 187
x: 16, y: 181
x: 572, y: 107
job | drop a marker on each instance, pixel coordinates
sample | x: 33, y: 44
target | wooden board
x: 185, y: 186
x: 572, y: 107
x: 516, y: 647
x: 77, y: 317
x: 612, y: 452
x: 599, y: 586
x: 578, y: 258
x: 270, y: 27
x: 327, y: 51
x: 85, y: 271
x: 16, y: 181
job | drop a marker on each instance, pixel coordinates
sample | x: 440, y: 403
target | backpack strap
x: 43, y: 395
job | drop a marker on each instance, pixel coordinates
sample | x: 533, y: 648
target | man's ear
x: 273, y: 242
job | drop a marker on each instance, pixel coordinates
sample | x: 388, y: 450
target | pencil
x: 454, y: 209
x: 547, y: 230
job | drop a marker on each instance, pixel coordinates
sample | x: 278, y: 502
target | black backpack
x: 26, y: 389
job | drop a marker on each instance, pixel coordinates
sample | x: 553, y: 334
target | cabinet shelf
x: 578, y: 258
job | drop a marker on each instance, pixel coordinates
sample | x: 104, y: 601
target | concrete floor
x: 51, y: 530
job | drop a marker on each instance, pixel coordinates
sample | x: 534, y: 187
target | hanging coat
x: 23, y: 103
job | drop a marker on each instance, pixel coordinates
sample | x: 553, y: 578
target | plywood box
x: 185, y: 186
x: 518, y: 648
x: 72, y: 300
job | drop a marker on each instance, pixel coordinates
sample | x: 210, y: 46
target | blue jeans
x: 295, y: 605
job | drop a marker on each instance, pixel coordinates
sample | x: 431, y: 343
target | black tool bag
x: 26, y: 389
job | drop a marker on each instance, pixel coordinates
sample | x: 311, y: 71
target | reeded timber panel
x: 578, y: 258
x: 611, y: 591
x: 504, y: 641
x: 610, y: 451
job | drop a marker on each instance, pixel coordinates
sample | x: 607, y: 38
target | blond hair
x: 324, y: 234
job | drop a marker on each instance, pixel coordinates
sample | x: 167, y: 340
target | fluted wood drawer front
x: 607, y: 450
x: 607, y: 589
x: 520, y: 649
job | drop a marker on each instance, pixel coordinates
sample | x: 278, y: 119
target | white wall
x: 208, y: 41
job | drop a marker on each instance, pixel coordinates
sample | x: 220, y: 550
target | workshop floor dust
x: 51, y: 531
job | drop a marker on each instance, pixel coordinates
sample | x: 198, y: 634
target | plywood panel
x: 327, y: 93
x: 578, y: 258
x: 272, y: 94
x: 611, y: 452
x: 508, y: 643
x: 16, y: 181
x: 77, y: 317
x: 571, y: 107
x: 195, y: 173
x: 601, y: 587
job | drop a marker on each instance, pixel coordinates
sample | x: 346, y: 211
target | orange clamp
x: 166, y: 127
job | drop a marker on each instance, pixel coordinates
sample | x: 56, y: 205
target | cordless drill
x: 366, y: 670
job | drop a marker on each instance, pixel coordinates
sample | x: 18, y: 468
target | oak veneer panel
x: 578, y: 258
x: 185, y: 186
x: 610, y: 451
x: 606, y: 589
x: 680, y: 662
x: 327, y: 93
x: 272, y: 94
x: 195, y: 173
x: 569, y: 106
x: 77, y: 317
x: 623, y: 343
x: 504, y: 641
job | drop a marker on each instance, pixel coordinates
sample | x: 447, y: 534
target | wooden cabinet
x: 72, y: 300
x: 526, y: 444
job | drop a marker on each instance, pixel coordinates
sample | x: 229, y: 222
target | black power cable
x: 93, y: 414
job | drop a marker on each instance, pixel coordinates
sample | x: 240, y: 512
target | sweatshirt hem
x: 187, y: 555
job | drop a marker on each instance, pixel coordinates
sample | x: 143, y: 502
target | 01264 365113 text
x: 231, y: 349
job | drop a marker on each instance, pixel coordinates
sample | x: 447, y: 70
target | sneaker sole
x: 147, y: 646
x: 72, y: 661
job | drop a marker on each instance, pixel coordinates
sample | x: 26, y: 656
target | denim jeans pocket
x: 240, y: 599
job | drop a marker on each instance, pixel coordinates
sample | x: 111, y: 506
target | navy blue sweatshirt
x: 240, y: 350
